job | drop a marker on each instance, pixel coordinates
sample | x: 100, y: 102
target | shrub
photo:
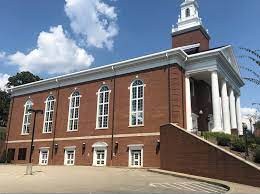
x: 257, y: 154
x: 211, y: 135
x: 238, y: 144
x: 223, y: 139
x: 251, y: 140
x: 257, y: 140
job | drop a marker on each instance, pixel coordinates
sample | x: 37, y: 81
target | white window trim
x: 97, y: 115
x: 135, y: 147
x: 40, y: 156
x: 99, y: 146
x: 68, y: 124
x: 46, y: 103
x: 130, y: 105
x: 66, y: 149
x: 22, y: 132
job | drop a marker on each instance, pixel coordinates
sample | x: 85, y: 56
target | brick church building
x: 111, y: 115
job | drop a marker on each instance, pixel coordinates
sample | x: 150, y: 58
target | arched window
x: 137, y: 103
x: 102, y: 108
x: 27, y: 116
x: 48, y: 115
x: 73, y: 120
x: 187, y: 12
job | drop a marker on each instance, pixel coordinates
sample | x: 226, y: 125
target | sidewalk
x: 235, y: 188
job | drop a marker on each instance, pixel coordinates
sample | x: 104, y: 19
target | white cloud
x: 2, y: 55
x: 3, y: 81
x: 93, y: 20
x: 55, y: 53
x: 248, y: 111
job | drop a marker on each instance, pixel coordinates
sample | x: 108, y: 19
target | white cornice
x: 159, y: 59
x: 195, y: 63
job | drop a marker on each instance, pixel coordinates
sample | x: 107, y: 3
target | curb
x: 191, y: 177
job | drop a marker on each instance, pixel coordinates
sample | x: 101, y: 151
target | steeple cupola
x: 189, y: 28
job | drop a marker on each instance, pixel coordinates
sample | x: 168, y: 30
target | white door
x: 100, y: 158
x: 136, y: 158
x: 43, y: 160
x: 69, y: 157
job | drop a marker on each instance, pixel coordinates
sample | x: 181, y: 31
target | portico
x: 217, y: 89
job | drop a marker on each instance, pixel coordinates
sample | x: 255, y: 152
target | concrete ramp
x: 184, y: 152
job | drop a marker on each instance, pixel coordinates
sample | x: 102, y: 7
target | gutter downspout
x: 54, y: 127
x: 113, y: 115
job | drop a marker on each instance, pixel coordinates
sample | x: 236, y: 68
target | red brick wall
x: 163, y: 93
x: 189, y: 38
x: 185, y: 153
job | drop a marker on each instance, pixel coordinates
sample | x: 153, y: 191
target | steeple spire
x: 189, y: 29
x: 189, y: 16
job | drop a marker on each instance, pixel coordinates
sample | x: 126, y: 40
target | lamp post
x: 245, y: 137
x: 29, y: 166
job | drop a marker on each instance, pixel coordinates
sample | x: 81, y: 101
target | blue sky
x: 131, y: 28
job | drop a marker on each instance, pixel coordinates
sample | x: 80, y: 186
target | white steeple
x: 189, y: 16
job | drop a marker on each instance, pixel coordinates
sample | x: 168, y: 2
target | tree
x: 4, y: 107
x: 16, y: 80
x: 21, y: 78
x: 257, y: 125
x: 253, y: 56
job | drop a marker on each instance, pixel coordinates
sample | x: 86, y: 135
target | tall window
x: 137, y: 103
x: 27, y: 117
x: 48, y: 116
x: 187, y: 12
x: 73, y: 121
x: 103, y: 107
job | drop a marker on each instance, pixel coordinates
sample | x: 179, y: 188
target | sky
x: 51, y: 38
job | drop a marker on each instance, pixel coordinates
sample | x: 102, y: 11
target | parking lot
x: 79, y: 179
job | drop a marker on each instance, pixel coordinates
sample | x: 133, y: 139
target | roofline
x: 97, y: 70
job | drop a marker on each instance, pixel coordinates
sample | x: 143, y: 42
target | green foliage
x: 2, y: 133
x: 253, y: 56
x: 4, y: 107
x: 257, y: 125
x: 210, y: 135
x: 223, y: 139
x: 257, y: 140
x: 21, y: 78
x: 257, y: 154
x: 238, y: 144
x: 18, y: 79
x: 3, y: 157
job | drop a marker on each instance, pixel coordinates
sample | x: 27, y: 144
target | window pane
x: 134, y: 105
x: 106, y: 96
x: 106, y: 109
x: 101, y: 97
x: 134, y: 92
x: 100, y: 119
x: 77, y: 101
x: 76, y: 113
x: 75, y: 124
x: 133, y: 119
x: 101, y: 109
x: 140, y: 105
x: 140, y: 92
x: 140, y: 118
x: 105, y: 124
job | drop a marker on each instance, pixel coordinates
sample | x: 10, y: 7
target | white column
x: 188, y: 104
x: 232, y: 103
x: 239, y: 120
x: 225, y: 107
x: 215, y: 102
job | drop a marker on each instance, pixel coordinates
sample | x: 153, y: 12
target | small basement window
x: 22, y: 153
